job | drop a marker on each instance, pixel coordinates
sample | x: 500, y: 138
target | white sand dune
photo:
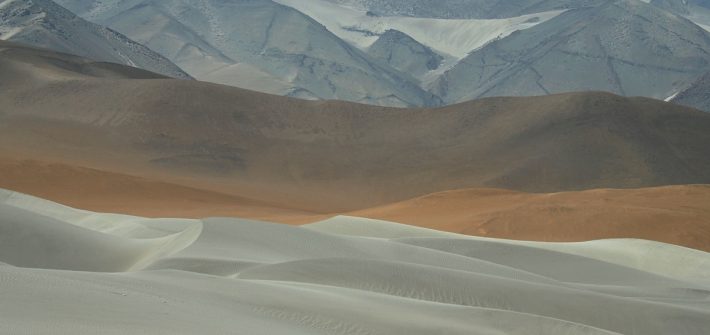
x: 654, y: 257
x: 64, y: 270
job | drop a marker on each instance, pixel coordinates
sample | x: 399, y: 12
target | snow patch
x: 704, y: 26
x: 452, y: 37
x: 8, y: 32
x: 670, y: 98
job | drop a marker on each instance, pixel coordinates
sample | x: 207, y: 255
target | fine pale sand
x: 72, y: 271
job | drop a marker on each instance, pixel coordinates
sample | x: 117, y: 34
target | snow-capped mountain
x: 625, y: 46
x: 43, y: 23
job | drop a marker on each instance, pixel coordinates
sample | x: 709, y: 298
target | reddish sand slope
x: 105, y: 191
x: 673, y: 214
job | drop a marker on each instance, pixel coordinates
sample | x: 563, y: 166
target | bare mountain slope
x: 696, y: 10
x: 338, y: 155
x: 404, y: 53
x: 20, y: 59
x: 696, y: 95
x: 626, y: 47
x: 463, y: 9
x: 45, y: 24
x: 256, y: 44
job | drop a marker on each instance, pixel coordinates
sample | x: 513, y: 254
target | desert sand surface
x: 671, y: 214
x: 327, y: 155
x: 80, y: 272
x: 105, y: 191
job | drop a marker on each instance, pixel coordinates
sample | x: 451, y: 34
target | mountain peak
x: 404, y: 53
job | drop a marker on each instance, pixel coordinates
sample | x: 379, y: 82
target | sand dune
x: 673, y: 214
x: 105, y: 191
x: 186, y: 276
x: 336, y: 156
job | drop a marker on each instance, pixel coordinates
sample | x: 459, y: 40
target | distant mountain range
x: 386, y: 52
x: 257, y: 44
x: 625, y: 47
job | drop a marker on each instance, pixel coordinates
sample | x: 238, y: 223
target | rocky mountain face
x: 422, y: 52
x: 697, y: 11
x: 257, y: 44
x: 43, y: 23
x: 697, y: 95
x: 403, y: 53
x: 681, y: 6
x: 626, y: 47
x: 463, y: 9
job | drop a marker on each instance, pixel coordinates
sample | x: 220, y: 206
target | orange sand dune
x: 104, y: 191
x: 672, y: 214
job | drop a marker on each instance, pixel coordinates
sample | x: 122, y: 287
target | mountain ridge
x: 610, y: 47
x: 260, y: 44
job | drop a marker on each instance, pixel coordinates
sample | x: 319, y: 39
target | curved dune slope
x: 673, y: 214
x: 171, y: 276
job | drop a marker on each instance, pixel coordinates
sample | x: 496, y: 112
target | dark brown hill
x: 331, y: 156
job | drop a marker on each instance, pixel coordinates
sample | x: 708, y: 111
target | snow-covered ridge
x: 448, y: 36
